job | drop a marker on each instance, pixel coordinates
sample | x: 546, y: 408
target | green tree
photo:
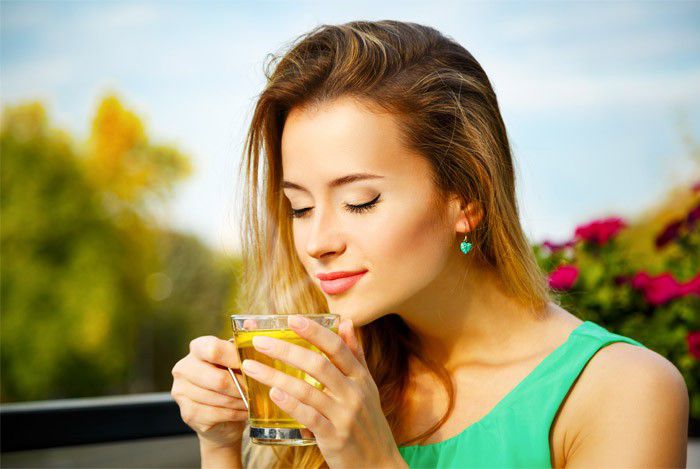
x: 68, y: 278
x: 96, y: 297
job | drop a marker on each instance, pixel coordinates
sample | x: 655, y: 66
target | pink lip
x: 339, y: 284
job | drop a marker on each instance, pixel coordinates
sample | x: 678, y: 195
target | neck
x: 464, y: 316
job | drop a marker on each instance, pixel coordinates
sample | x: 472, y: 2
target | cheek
x: 299, y: 239
x: 406, y: 250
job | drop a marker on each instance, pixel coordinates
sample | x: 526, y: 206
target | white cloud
x: 527, y: 89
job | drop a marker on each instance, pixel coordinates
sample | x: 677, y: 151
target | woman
x: 377, y: 150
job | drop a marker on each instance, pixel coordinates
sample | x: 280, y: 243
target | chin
x: 360, y: 316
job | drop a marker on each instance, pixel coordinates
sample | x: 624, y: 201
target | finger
x: 328, y: 342
x: 202, y: 417
x: 298, y: 388
x: 303, y: 413
x: 313, y: 363
x: 183, y: 387
x: 214, y: 350
x: 250, y: 324
x: 207, y: 376
x: 347, y: 331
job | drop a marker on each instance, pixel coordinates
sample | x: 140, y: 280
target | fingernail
x: 251, y: 367
x: 261, y: 342
x: 298, y: 322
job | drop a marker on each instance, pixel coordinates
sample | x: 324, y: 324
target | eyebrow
x: 347, y: 179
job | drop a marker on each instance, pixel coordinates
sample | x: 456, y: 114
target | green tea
x: 263, y: 412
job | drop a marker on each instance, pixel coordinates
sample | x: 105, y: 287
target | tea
x: 263, y: 412
x: 270, y: 425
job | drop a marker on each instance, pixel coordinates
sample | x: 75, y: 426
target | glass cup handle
x: 238, y: 386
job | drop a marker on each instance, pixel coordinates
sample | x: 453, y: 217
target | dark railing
x: 66, y: 422
x: 78, y: 423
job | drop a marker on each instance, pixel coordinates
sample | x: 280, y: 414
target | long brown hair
x: 449, y: 114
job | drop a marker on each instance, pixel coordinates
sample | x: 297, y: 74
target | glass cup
x: 270, y: 425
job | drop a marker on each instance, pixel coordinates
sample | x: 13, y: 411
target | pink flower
x: 693, y: 217
x: 673, y: 230
x: 553, y: 247
x: 693, y: 339
x: 600, y: 231
x: 621, y: 279
x: 640, y: 280
x: 669, y: 233
x: 692, y: 286
x: 696, y: 187
x: 664, y: 288
x: 563, y: 277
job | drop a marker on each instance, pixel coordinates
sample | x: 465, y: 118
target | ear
x: 466, y: 216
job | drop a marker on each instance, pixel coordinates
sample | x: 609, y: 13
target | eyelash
x: 352, y: 208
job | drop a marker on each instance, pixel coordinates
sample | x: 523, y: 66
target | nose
x: 324, y: 237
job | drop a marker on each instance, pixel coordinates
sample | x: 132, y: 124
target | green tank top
x: 515, y: 433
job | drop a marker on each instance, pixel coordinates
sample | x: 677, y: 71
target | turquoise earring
x: 465, y: 246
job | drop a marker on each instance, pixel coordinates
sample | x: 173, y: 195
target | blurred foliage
x: 612, y: 286
x: 96, y: 297
x: 121, y: 161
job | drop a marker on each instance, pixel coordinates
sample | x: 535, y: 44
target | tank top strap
x: 516, y: 432
x: 551, y: 382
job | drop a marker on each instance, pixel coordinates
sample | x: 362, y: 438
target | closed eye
x: 299, y: 213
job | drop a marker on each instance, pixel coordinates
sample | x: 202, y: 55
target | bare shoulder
x: 637, y: 365
x: 631, y: 410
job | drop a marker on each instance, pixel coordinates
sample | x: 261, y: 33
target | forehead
x: 338, y: 138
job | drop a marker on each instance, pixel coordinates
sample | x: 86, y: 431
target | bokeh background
x: 123, y: 125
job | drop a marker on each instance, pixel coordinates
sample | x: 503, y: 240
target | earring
x: 465, y: 246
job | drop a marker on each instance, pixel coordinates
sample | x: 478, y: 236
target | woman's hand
x: 346, y: 418
x: 209, y: 401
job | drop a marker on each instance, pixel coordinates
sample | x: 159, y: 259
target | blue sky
x: 592, y: 93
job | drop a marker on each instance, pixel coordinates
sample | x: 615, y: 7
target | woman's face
x: 399, y: 238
